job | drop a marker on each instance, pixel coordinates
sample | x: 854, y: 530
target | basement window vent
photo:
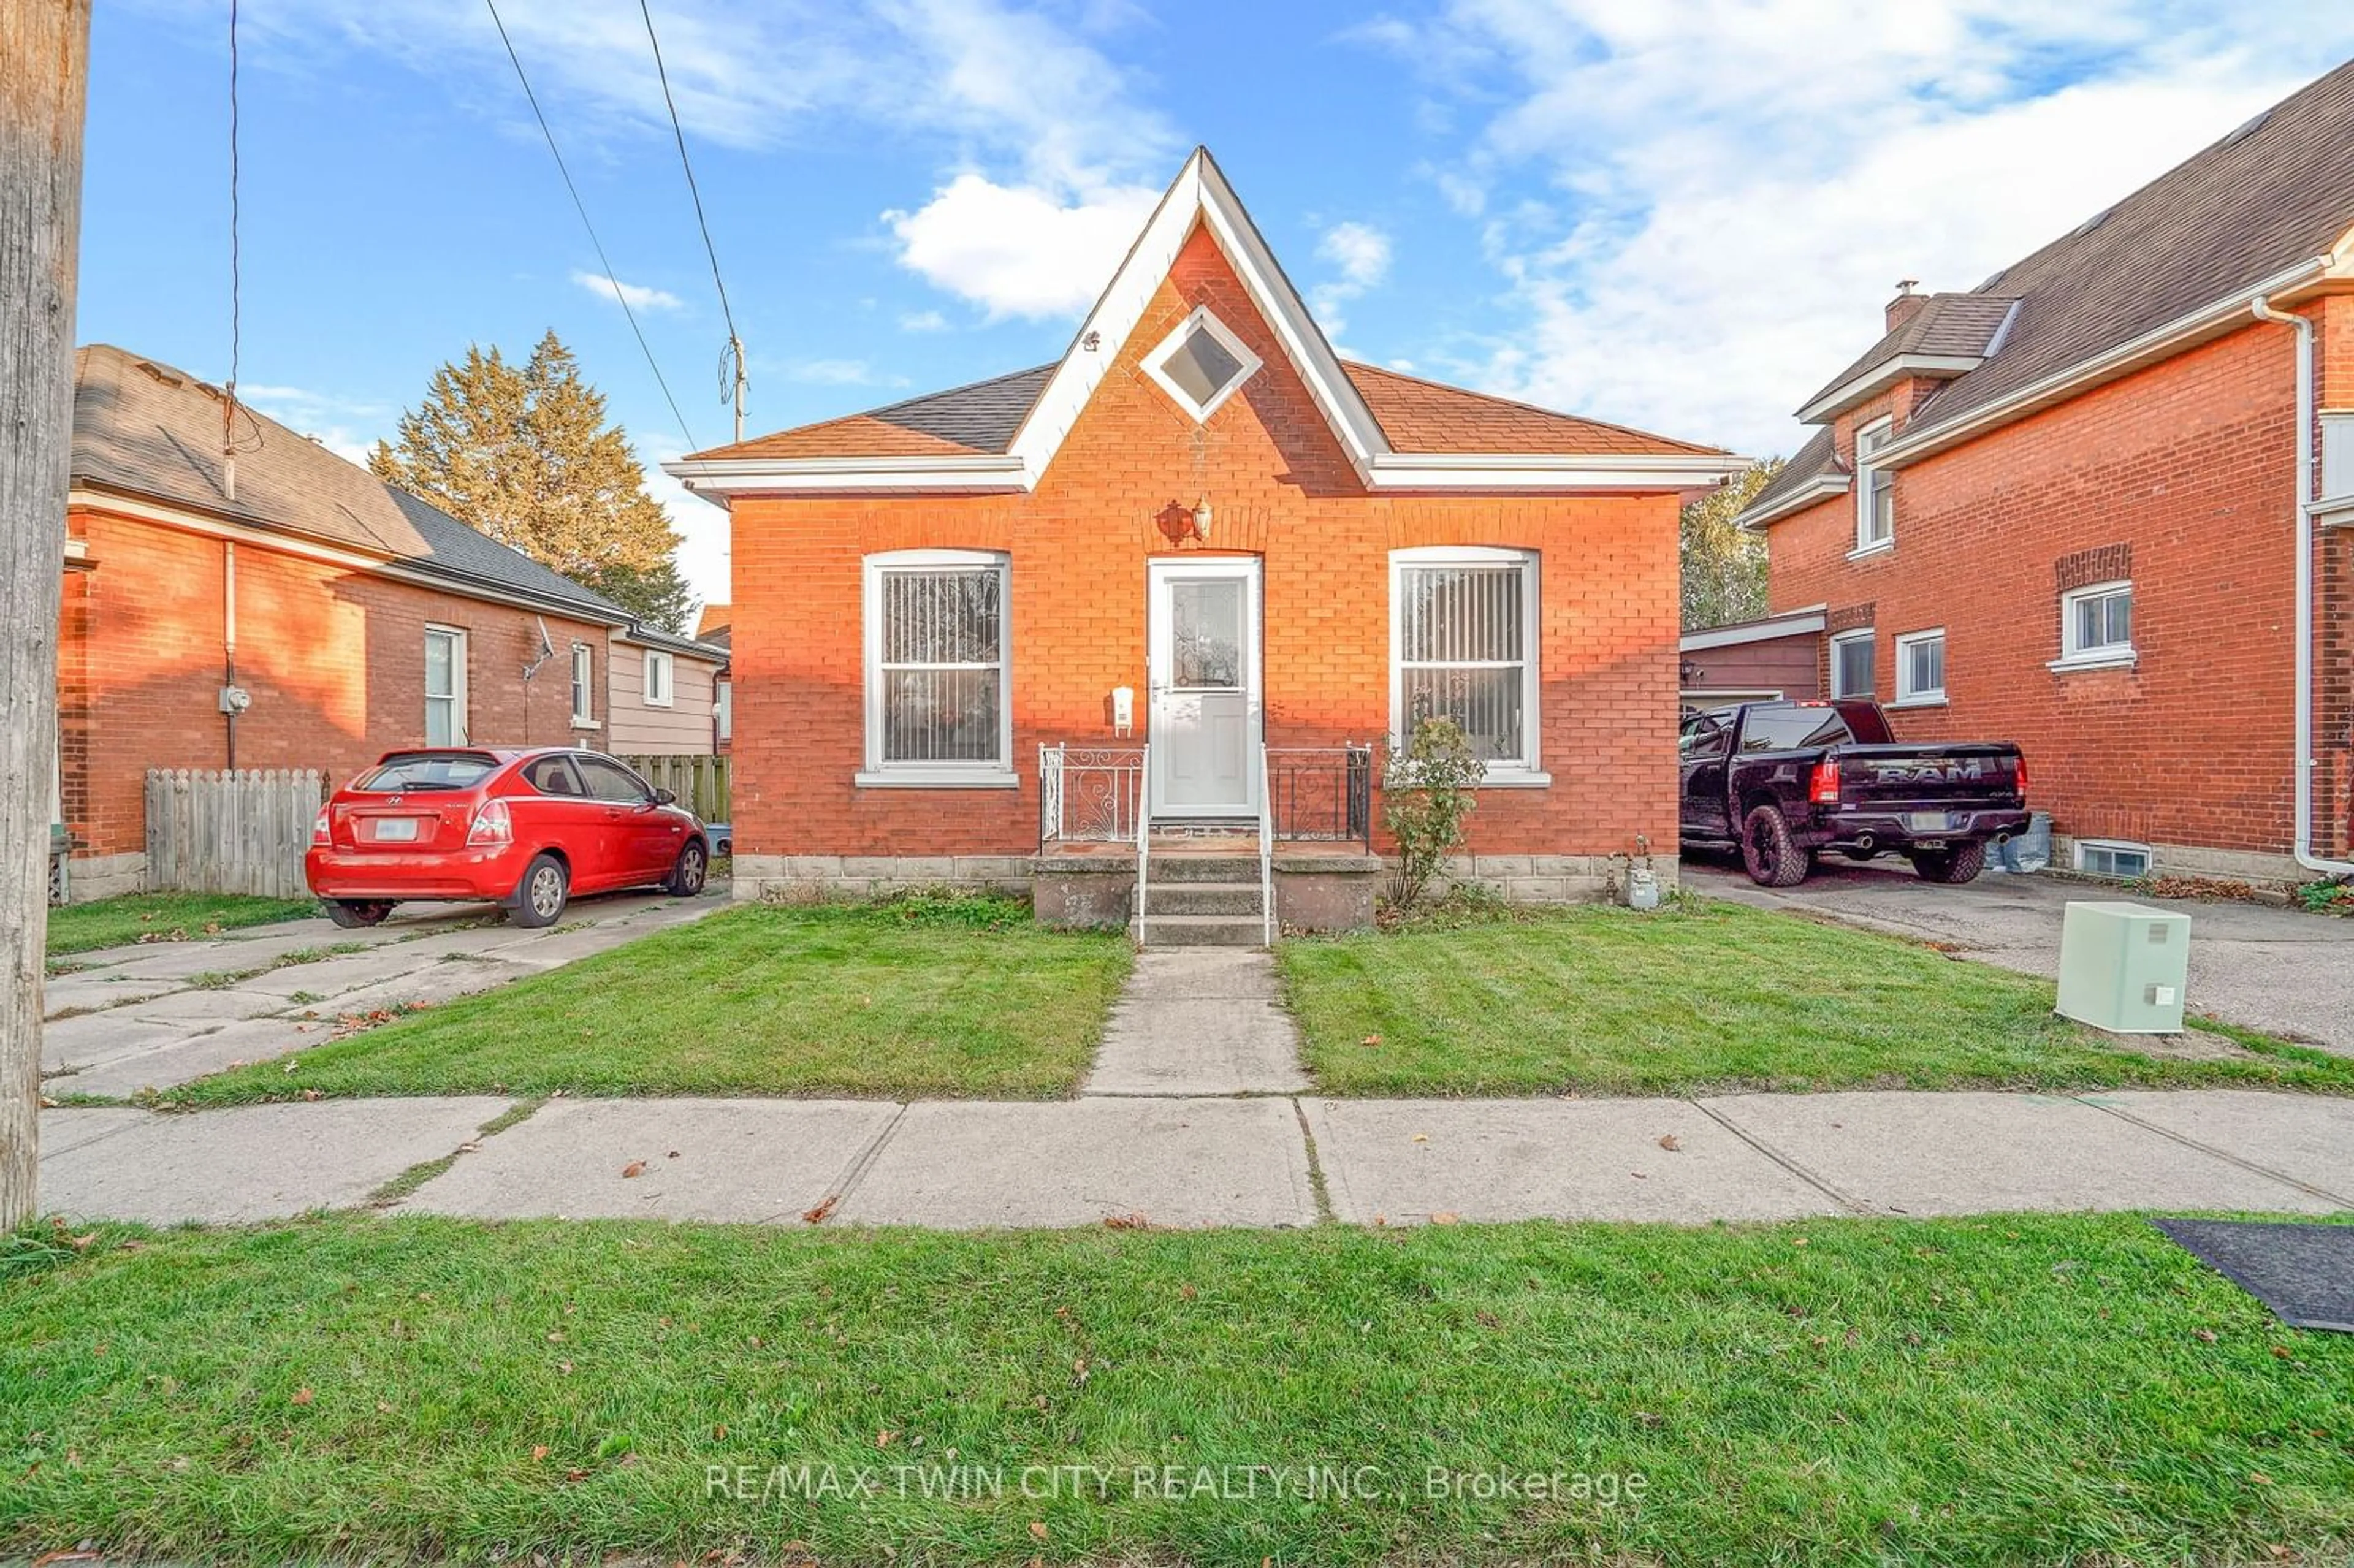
x: 1202, y: 364
x: 2104, y: 857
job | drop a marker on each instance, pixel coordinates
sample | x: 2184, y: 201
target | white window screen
x: 1852, y: 662
x: 1876, y: 487
x: 445, y: 688
x: 2100, y: 620
x: 1921, y: 665
x: 942, y: 665
x: 658, y: 679
x: 1463, y: 653
x: 584, y: 682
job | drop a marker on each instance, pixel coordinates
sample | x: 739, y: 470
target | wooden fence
x: 242, y: 831
x: 700, y: 783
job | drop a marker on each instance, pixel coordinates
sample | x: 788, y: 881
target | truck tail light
x: 2019, y: 775
x: 320, y: 833
x: 492, y: 825
x: 1823, y: 784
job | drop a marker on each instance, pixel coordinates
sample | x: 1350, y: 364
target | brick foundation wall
x: 1282, y: 489
x: 2184, y: 470
x: 334, y: 659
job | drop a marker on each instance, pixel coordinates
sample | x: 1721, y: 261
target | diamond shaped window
x: 1202, y: 364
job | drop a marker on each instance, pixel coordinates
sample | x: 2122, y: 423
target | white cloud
x: 344, y: 426
x: 840, y: 373
x: 1732, y: 187
x: 923, y: 320
x: 1020, y: 250
x: 1361, y: 253
x: 637, y: 296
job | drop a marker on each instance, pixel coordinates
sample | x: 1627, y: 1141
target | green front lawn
x: 2030, y: 1389
x: 1707, y: 996
x: 921, y: 997
x: 163, y: 918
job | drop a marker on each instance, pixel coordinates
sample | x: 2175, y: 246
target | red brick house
x: 1174, y: 578
x: 2098, y: 505
x: 339, y: 616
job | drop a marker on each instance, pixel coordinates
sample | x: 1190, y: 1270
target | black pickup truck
x: 1783, y: 780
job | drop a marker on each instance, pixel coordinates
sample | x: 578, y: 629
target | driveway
x: 157, y: 1015
x: 2281, y: 971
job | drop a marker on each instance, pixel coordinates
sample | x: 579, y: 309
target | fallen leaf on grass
x: 2204, y: 1335
x: 304, y: 1396
x: 1038, y: 1528
x: 634, y: 1168
x: 1370, y: 1040
x: 883, y: 1439
x: 2261, y: 1479
x: 816, y: 1216
x: 1126, y: 1222
x: 539, y: 1450
x: 310, y: 1093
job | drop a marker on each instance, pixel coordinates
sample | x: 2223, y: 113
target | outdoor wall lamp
x: 1201, y: 515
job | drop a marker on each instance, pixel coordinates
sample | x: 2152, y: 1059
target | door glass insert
x: 1205, y: 625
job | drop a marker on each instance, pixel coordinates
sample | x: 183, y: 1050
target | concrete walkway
x: 1199, y: 1021
x: 155, y: 1016
x: 1259, y: 1161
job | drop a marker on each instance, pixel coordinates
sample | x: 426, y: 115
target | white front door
x: 1205, y: 721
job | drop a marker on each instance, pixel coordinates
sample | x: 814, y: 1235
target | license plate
x: 1928, y: 821
x: 396, y: 829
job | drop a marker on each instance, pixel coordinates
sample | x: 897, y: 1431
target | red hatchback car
x: 526, y: 829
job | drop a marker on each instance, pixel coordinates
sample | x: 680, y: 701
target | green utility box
x: 2123, y: 967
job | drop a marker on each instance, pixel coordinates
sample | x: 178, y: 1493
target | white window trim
x: 2110, y: 656
x: 723, y: 710
x: 1934, y: 698
x: 1201, y: 316
x: 2123, y: 846
x: 461, y: 726
x: 655, y: 659
x: 1866, y: 634
x: 1525, y: 773
x: 584, y: 682
x: 1865, y: 544
x: 880, y: 775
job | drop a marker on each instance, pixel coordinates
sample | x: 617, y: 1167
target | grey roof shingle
x: 1813, y: 460
x: 146, y: 429
x: 2273, y: 193
x: 1947, y: 325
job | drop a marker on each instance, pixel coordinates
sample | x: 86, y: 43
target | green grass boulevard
x: 1998, y: 1391
x: 163, y: 918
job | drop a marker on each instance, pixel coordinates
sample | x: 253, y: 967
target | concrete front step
x: 1203, y: 930
x: 1230, y: 898
x: 1184, y: 867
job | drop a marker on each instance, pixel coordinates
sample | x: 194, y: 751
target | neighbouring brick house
x: 961, y: 620
x: 2069, y: 508
x: 353, y: 616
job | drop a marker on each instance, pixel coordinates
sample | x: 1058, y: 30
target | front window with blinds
x: 445, y: 686
x: 936, y: 668
x: 1463, y: 634
x: 584, y: 686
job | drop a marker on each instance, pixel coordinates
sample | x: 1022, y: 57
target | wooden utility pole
x: 43, y: 75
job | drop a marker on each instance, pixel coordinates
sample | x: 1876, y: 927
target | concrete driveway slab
x: 428, y: 985
x: 2305, y: 1138
x: 2271, y: 968
x: 332, y: 977
x: 748, y: 1160
x: 219, y: 1005
x: 72, y: 1129
x: 257, y: 1162
x: 99, y: 1037
x: 1403, y: 1161
x: 970, y: 1165
x: 188, y: 1057
x: 1919, y: 1153
x: 96, y: 991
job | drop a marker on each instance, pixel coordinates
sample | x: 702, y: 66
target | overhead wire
x: 620, y: 296
x: 732, y: 376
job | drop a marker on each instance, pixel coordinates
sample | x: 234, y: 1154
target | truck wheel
x: 540, y: 897
x: 1956, y: 866
x: 1768, y: 854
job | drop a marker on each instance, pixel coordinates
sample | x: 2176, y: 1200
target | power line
x: 582, y: 208
x: 731, y: 364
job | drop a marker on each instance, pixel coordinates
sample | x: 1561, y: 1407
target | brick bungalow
x: 1186, y: 574
x: 352, y: 618
x: 2098, y: 505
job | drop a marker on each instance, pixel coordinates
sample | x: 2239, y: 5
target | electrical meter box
x: 2122, y: 966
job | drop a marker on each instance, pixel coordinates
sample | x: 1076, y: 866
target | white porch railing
x: 1090, y: 794
x: 1265, y: 848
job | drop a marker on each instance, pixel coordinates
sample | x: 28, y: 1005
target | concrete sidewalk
x: 155, y: 1016
x: 1181, y: 1160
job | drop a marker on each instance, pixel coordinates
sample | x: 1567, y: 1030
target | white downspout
x: 2303, y: 780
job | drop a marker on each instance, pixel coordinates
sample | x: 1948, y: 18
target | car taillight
x: 320, y: 833
x: 1822, y: 784
x: 2019, y: 775
x: 492, y: 825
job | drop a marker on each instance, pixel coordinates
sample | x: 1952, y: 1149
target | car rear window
x: 403, y: 775
x: 1792, y: 728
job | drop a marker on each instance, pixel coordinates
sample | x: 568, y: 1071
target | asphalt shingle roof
x: 1417, y: 416
x: 1962, y: 325
x: 146, y: 429
x: 2274, y: 192
x: 1814, y: 459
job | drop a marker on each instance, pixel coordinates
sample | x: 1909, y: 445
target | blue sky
x: 1679, y: 214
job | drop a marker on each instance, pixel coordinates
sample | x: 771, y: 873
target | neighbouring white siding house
x: 661, y: 693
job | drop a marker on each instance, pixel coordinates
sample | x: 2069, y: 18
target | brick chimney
x: 1906, y: 304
